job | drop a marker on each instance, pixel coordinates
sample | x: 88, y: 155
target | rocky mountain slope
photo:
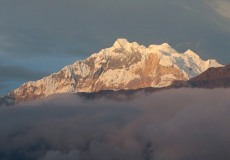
x: 125, y: 66
x: 211, y: 78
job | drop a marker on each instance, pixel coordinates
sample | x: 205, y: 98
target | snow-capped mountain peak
x: 125, y: 65
x: 190, y: 53
x: 121, y: 42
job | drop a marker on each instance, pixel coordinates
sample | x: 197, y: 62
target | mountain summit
x: 125, y: 66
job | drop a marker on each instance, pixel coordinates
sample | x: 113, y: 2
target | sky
x: 147, y: 127
x: 38, y: 38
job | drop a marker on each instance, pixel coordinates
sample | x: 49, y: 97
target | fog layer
x: 172, y: 124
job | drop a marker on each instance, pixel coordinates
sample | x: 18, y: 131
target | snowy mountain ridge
x: 124, y: 66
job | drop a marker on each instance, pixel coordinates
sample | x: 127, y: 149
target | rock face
x: 211, y: 78
x: 124, y: 66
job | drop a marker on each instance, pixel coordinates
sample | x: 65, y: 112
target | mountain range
x: 126, y: 66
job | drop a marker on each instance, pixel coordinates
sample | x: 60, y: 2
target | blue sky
x: 40, y: 37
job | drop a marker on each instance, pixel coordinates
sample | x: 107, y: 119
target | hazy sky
x: 38, y: 37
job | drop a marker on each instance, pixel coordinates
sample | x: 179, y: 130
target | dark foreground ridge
x: 212, y: 78
x: 122, y: 95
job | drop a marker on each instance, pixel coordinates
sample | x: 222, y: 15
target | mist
x: 172, y: 124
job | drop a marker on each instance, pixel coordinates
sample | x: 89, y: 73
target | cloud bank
x: 172, y: 124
